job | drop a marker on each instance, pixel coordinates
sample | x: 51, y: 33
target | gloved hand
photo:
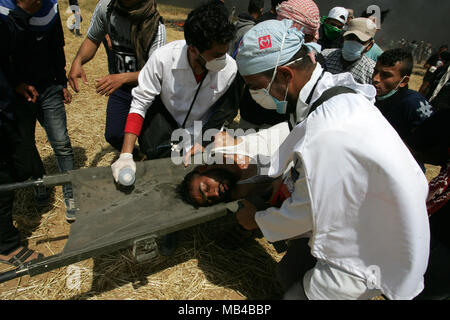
x: 125, y: 160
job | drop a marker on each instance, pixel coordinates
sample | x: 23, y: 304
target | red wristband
x: 134, y: 124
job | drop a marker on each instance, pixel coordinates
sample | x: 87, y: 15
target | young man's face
x: 217, y: 51
x: 334, y: 23
x: 387, y: 78
x: 212, y: 187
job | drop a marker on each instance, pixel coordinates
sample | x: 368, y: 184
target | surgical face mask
x: 352, y: 50
x: 266, y: 100
x: 215, y: 65
x: 392, y: 92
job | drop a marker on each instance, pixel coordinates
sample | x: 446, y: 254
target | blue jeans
x: 50, y: 111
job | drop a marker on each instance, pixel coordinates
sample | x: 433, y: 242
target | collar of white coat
x: 285, y: 154
x: 302, y: 107
x: 181, y: 61
x: 327, y: 81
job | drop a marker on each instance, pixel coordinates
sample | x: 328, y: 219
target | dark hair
x: 255, y: 6
x: 183, y: 190
x: 274, y: 3
x: 208, y: 25
x: 391, y: 57
x: 383, y: 15
x: 444, y: 46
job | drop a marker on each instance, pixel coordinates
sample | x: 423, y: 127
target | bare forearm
x: 130, y: 77
x: 86, y: 52
x: 128, y: 142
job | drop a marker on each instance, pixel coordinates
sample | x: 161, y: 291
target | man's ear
x: 369, y: 46
x: 404, y: 82
x: 285, y: 74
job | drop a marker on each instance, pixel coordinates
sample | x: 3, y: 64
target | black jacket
x: 36, y: 57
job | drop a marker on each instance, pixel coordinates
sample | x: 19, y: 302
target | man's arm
x: 87, y: 51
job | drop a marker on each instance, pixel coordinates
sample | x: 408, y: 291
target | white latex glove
x: 125, y: 160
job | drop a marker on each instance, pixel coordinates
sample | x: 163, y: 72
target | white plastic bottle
x: 126, y: 176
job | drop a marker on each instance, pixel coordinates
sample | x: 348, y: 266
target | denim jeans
x: 50, y: 111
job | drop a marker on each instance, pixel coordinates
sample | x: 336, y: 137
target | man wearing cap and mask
x: 358, y: 39
x: 355, y: 190
x: 305, y: 16
x: 330, y: 32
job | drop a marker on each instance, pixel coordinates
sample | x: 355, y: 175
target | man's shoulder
x: 331, y: 52
x: 101, y: 8
x: 413, y: 101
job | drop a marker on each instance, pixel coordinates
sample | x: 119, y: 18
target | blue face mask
x: 352, y: 50
x: 391, y: 93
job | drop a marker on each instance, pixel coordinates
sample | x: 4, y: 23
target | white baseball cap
x: 338, y: 13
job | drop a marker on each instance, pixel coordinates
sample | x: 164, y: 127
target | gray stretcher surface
x: 110, y: 218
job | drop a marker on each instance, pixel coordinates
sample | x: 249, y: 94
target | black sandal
x: 19, y: 259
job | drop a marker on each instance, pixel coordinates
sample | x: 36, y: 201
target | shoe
x: 70, y: 210
x: 77, y: 33
x: 41, y: 196
x: 168, y: 244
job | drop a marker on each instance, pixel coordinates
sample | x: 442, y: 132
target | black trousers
x: 19, y: 160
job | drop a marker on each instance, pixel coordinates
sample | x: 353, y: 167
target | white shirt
x: 167, y: 73
x: 359, y: 191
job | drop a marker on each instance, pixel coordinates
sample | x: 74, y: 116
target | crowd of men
x: 347, y: 191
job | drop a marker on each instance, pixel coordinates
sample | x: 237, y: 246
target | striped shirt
x: 361, y: 69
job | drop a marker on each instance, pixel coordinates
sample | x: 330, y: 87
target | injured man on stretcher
x: 237, y: 171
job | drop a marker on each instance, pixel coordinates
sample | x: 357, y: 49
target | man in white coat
x: 355, y: 190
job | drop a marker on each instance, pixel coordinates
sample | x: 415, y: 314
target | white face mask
x: 266, y: 100
x: 215, y: 65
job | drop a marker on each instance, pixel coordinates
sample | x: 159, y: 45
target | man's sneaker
x: 41, y: 196
x: 168, y: 244
x: 70, y: 209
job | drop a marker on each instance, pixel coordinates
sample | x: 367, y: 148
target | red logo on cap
x: 264, y: 42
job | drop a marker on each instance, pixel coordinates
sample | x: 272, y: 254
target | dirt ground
x: 200, y: 269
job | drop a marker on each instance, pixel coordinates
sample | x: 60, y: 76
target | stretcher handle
x: 47, y: 181
x: 9, y: 275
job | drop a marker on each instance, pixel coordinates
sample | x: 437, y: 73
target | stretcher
x: 110, y: 217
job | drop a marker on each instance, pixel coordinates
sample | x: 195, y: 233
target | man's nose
x: 213, y: 193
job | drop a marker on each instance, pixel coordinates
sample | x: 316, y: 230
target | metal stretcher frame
x: 110, y: 218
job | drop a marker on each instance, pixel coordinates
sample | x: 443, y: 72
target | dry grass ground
x: 200, y: 269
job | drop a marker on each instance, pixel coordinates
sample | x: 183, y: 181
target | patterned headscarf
x: 304, y: 14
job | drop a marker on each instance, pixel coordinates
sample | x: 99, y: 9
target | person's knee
x: 62, y: 147
x: 114, y: 139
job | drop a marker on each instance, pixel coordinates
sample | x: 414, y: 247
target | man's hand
x: 67, y: 96
x: 30, y: 6
x: 28, y: 92
x: 246, y: 215
x: 110, y: 83
x: 125, y: 160
x: 76, y: 71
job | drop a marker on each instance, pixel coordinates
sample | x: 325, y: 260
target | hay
x: 200, y: 269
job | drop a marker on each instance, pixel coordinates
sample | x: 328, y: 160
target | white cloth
x: 326, y: 282
x: 167, y: 73
x: 366, y: 192
x: 258, y: 146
